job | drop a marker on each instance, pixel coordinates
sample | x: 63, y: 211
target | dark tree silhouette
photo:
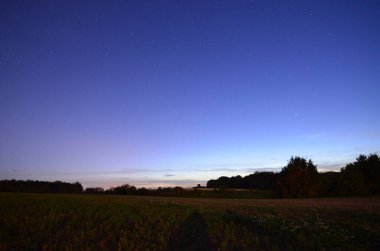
x: 329, y: 184
x: 95, y: 190
x: 298, y: 179
x: 361, y: 177
x: 261, y: 180
x: 258, y: 180
x: 35, y: 186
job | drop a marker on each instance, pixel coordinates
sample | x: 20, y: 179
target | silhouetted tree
x: 261, y: 180
x: 329, y: 184
x: 258, y: 180
x: 123, y: 189
x: 212, y: 184
x: 132, y: 190
x: 35, y: 186
x: 143, y: 191
x: 361, y: 177
x: 95, y: 190
x: 298, y: 179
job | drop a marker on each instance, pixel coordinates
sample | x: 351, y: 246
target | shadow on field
x: 192, y: 235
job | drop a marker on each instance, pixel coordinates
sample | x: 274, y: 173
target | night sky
x: 163, y: 93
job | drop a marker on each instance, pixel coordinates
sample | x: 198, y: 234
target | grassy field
x: 106, y: 222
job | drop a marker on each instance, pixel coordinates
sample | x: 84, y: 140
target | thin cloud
x: 154, y: 183
x: 263, y: 169
x: 327, y: 166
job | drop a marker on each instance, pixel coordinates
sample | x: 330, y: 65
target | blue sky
x: 177, y: 92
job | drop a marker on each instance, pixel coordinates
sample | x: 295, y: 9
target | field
x: 110, y: 222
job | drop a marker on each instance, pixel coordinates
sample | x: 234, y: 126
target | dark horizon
x: 260, y: 182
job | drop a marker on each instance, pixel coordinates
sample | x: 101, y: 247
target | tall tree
x: 361, y: 177
x: 298, y: 179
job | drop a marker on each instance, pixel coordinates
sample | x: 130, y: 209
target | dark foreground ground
x: 106, y: 222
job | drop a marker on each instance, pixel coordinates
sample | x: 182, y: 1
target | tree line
x: 298, y: 179
x: 301, y: 179
x: 177, y: 191
x: 127, y: 189
x: 35, y: 186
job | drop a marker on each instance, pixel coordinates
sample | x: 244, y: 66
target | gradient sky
x: 159, y: 93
